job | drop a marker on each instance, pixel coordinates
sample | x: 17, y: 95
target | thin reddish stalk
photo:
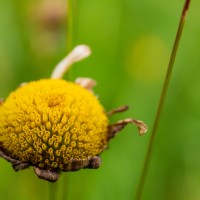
x: 145, y: 169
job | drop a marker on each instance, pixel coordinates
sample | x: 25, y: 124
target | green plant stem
x: 52, y: 191
x: 70, y: 30
x: 161, y: 102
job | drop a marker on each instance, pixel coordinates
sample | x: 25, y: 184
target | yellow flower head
x: 55, y: 125
x: 48, y: 122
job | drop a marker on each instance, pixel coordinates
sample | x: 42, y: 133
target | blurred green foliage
x: 131, y: 43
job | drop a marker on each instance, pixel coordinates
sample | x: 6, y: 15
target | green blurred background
x: 131, y: 43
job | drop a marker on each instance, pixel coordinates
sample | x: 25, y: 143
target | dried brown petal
x: 1, y: 101
x: 115, y: 128
x: 48, y: 175
x: 16, y: 164
x: 87, y: 83
x: 118, y: 110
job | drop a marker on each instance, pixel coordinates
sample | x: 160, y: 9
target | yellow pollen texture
x: 49, y: 122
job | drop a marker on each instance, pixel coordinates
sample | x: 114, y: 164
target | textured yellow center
x: 49, y: 122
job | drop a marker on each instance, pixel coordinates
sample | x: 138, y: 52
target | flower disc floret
x: 49, y: 122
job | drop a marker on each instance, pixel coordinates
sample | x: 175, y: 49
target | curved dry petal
x: 48, y: 175
x: 77, y: 54
x: 87, y: 83
x: 22, y: 84
x: 118, y: 126
x: 16, y: 164
x: 1, y: 101
x: 117, y: 110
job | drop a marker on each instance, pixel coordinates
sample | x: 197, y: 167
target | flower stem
x: 161, y: 102
x: 52, y: 191
x: 70, y: 28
